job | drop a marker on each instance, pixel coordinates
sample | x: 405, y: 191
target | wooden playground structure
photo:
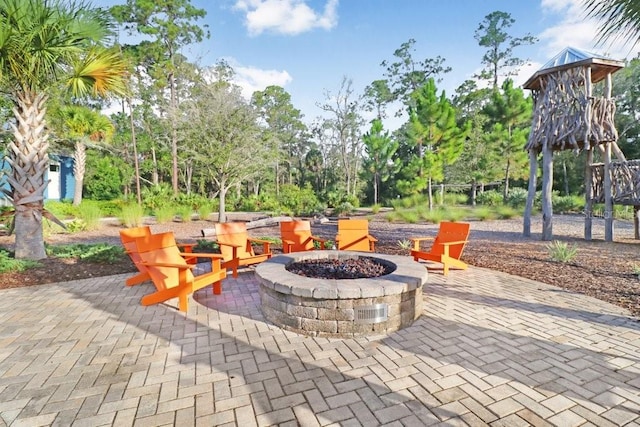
x: 569, y: 115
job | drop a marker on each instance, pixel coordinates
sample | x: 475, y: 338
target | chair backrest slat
x: 299, y: 232
x: 353, y: 234
x: 451, y: 232
x: 162, y: 248
x: 234, y: 233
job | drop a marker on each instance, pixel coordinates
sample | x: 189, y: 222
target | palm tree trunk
x: 29, y: 162
x: 79, y: 162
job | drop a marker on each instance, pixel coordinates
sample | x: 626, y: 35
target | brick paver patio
x: 489, y: 349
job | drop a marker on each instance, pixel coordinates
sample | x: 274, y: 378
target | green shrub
x: 489, y: 198
x: 131, y: 215
x: 410, y: 202
x: 562, y: 251
x: 455, y: 213
x: 204, y: 211
x: 299, y: 201
x: 344, y: 208
x: 104, y: 178
x: 76, y: 225
x: 506, y: 212
x: 184, y: 212
x: 206, y: 246
x: 453, y: 198
x: 90, y: 214
x: 517, y: 197
x: 410, y: 216
x: 405, y: 244
x: 102, y: 253
x: 165, y: 213
x: 157, y: 196
x: 61, y: 209
x: 8, y: 264
x: 483, y: 213
x: 375, y: 208
x: 567, y: 204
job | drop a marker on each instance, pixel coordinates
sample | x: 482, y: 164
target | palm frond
x: 619, y: 19
x: 99, y: 72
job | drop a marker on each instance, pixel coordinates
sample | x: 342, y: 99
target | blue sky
x: 307, y: 46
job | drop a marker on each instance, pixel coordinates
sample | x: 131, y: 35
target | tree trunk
x: 531, y: 194
x: 29, y: 162
x: 136, y: 164
x: 547, y: 186
x: 474, y: 192
x: 222, y: 213
x: 375, y: 188
x: 174, y: 135
x: 505, y: 192
x: 430, y: 195
x: 154, y: 174
x: 79, y: 162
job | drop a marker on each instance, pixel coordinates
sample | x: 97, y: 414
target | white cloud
x: 251, y: 79
x: 289, y: 17
x: 576, y: 30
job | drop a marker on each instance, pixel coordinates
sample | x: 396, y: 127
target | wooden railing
x: 625, y: 182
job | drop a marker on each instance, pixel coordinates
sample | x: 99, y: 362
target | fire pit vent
x: 371, y: 313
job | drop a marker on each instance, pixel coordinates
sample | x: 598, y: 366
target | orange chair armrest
x: 318, y: 239
x: 459, y: 242
x: 186, y: 246
x: 416, y: 241
x: 287, y: 243
x: 252, y: 240
x: 265, y: 244
x: 201, y: 255
x: 228, y: 244
x: 419, y: 239
x: 168, y: 264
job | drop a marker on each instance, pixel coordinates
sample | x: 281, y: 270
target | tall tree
x: 44, y: 44
x: 626, y: 91
x: 84, y: 127
x: 499, y: 58
x: 344, y: 123
x: 285, y: 128
x: 219, y: 129
x: 479, y: 162
x: 436, y: 135
x: 510, y: 117
x: 407, y: 74
x: 379, y: 165
x: 170, y: 24
x: 376, y: 96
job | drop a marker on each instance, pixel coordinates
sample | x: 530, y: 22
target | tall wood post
x: 533, y: 174
x: 547, y: 185
x: 608, y: 199
x: 588, y: 195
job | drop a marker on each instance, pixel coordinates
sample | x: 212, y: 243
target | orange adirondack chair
x: 296, y: 237
x: 236, y: 246
x: 353, y: 235
x: 128, y: 238
x: 170, y: 272
x: 447, y: 246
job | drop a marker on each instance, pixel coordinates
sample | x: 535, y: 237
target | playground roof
x: 571, y: 57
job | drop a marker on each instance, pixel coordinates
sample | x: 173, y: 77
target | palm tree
x: 84, y: 127
x: 618, y: 18
x: 45, y: 44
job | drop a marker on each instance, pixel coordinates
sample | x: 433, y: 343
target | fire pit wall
x: 334, y: 308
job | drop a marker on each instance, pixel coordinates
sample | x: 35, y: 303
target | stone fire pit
x: 341, y: 307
